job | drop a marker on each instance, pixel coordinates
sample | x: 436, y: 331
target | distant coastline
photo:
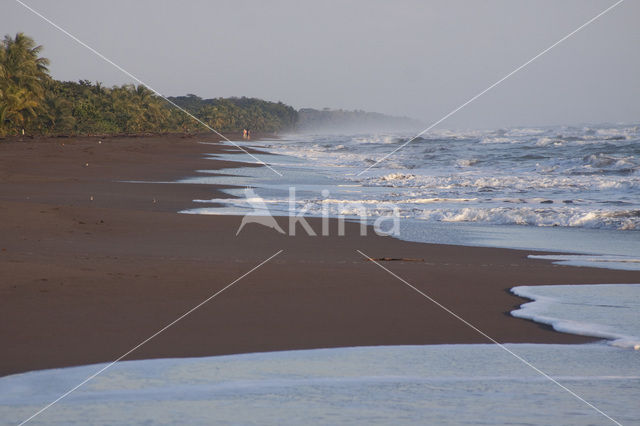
x: 32, y: 103
x: 329, y: 120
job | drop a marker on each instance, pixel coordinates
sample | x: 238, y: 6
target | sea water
x: 567, y: 189
x: 438, y: 384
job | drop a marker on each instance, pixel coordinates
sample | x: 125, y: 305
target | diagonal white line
x: 473, y: 327
x: 492, y: 86
x: 163, y: 329
x: 101, y: 56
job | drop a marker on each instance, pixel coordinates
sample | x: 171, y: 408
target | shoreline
x: 91, y: 265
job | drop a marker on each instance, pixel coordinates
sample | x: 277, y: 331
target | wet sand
x: 91, y: 265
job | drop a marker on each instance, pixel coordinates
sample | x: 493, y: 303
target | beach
x: 94, y: 259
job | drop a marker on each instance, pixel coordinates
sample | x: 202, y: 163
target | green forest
x: 33, y: 103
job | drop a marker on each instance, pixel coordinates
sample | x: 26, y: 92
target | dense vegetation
x: 229, y: 114
x: 31, y: 102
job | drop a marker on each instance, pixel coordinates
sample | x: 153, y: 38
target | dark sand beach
x: 90, y: 266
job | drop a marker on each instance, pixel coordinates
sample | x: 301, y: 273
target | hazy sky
x: 418, y: 58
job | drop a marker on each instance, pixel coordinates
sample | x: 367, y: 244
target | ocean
x: 566, y: 189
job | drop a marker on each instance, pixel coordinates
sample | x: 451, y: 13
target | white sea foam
x: 527, y: 182
x: 517, y: 213
x: 439, y: 384
x: 570, y: 217
x: 608, y: 311
x: 625, y: 262
x: 467, y: 162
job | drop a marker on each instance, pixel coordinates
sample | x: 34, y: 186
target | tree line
x: 232, y: 114
x: 33, y: 103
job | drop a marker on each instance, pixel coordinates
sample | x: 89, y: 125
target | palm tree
x: 22, y: 76
x: 152, y: 108
x: 55, y: 114
x: 16, y: 107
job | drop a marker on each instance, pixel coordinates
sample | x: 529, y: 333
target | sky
x: 416, y: 58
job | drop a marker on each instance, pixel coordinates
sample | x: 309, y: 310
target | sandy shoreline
x: 90, y: 266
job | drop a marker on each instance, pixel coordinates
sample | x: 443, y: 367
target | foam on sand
x: 441, y: 384
x: 608, y: 311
